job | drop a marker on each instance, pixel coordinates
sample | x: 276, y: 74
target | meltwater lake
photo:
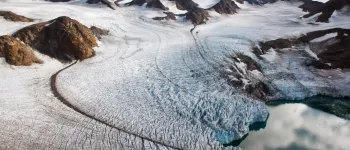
x: 318, y: 123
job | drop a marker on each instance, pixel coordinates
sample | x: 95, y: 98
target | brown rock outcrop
x: 240, y: 1
x: 150, y: 4
x: 16, y: 52
x: 185, y: 4
x: 197, y: 16
x: 8, y: 15
x: 337, y: 54
x: 226, y: 7
x: 98, y: 32
x: 169, y: 16
x: 105, y: 2
x: 62, y: 38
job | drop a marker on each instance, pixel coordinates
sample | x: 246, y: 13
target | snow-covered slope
x: 206, y: 3
x: 151, y: 85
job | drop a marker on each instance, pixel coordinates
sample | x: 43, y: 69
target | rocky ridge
x: 8, y: 15
x: 16, y: 52
x: 62, y: 38
x: 326, y: 9
x: 332, y: 53
x: 199, y: 15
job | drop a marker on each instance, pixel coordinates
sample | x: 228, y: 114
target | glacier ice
x: 152, y: 85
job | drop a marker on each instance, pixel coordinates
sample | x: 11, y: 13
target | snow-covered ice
x: 154, y: 84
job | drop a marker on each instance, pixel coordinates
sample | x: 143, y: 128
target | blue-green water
x: 297, y: 126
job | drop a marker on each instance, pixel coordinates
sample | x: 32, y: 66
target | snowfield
x: 205, y: 4
x: 154, y: 85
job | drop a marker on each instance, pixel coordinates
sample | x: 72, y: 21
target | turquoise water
x: 297, y: 126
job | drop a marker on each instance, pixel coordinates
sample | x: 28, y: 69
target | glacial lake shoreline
x: 319, y: 122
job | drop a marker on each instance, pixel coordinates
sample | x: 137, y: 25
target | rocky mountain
x: 149, y: 4
x: 226, y: 7
x: 8, y: 15
x: 229, y: 7
x: 17, y: 53
x: 326, y: 9
x: 62, y: 38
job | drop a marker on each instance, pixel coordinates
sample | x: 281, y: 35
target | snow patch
x: 311, y: 53
x: 325, y: 37
x: 205, y: 4
x: 270, y: 55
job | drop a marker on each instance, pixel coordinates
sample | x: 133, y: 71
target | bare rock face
x: 336, y: 54
x: 62, y: 38
x: 98, y: 32
x: 311, y: 6
x: 16, y: 52
x: 258, y: 90
x: 326, y: 9
x: 106, y: 2
x: 59, y: 0
x: 240, y: 1
x: 8, y: 15
x: 197, y: 16
x: 169, y: 16
x: 226, y: 7
x: 260, y: 2
x: 93, y: 1
x: 239, y: 75
x: 332, y: 53
x: 275, y: 44
x: 255, y: 88
x: 185, y: 4
x: 150, y: 4
x: 155, y: 4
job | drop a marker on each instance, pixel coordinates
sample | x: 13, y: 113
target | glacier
x: 154, y: 85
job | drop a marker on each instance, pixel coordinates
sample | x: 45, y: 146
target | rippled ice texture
x: 154, y: 84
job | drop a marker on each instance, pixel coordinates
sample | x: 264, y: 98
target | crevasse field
x: 154, y: 84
